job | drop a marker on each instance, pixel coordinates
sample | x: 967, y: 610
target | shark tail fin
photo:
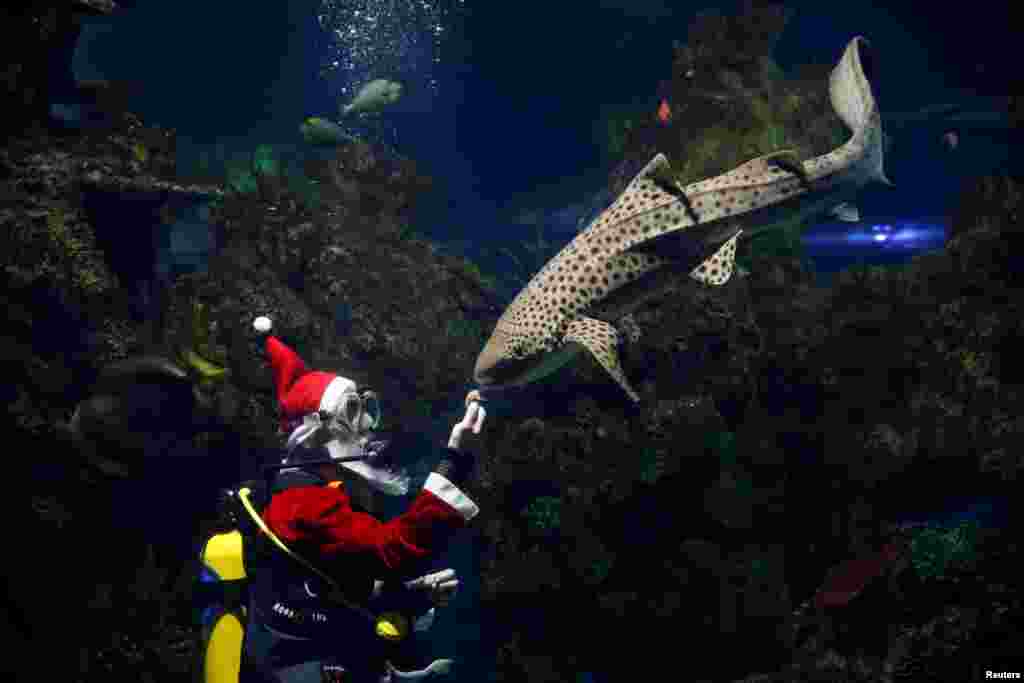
x: 854, y: 102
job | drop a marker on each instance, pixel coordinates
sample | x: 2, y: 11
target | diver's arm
x: 323, y: 517
x: 455, y: 466
x: 457, y: 463
x: 451, y: 474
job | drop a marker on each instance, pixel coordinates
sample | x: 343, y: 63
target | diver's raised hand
x: 473, y: 420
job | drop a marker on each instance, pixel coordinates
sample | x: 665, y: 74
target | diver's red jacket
x: 319, y: 523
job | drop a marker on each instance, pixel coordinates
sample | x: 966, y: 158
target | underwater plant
x: 544, y: 513
x: 650, y: 468
x: 140, y: 152
x: 473, y: 272
x: 618, y: 129
x: 722, y: 444
x: 197, y: 354
x: 265, y: 170
x: 601, y: 568
x: 241, y: 180
x: 464, y: 327
x: 408, y: 233
x: 264, y: 162
x: 70, y: 254
x: 936, y: 551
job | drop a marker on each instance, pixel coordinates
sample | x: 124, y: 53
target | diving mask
x: 357, y: 415
x: 359, y: 411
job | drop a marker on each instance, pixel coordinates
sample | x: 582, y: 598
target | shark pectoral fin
x: 628, y: 328
x: 601, y: 339
x: 719, y: 267
x: 846, y: 212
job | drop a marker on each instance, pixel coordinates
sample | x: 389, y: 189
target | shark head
x: 511, y: 359
x: 495, y: 365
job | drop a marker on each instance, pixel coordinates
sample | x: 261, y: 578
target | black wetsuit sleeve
x: 506, y: 392
x: 456, y: 466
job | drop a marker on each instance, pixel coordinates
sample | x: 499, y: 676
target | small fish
x: 437, y: 667
x: 93, y: 7
x: 374, y: 96
x: 846, y: 212
x: 329, y: 69
x: 850, y: 577
x: 664, y: 111
x: 323, y: 133
x: 139, y: 407
x: 951, y: 140
x: 205, y: 368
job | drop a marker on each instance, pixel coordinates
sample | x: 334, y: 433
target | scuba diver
x: 329, y: 591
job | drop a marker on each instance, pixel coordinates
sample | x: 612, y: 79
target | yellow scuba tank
x: 222, y: 603
x: 222, y: 579
x: 222, y: 651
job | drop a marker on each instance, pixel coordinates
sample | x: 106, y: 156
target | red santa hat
x: 302, y: 394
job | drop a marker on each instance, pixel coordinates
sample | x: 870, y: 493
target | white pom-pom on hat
x: 262, y: 324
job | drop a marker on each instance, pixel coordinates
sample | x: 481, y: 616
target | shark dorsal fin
x: 741, y: 176
x: 658, y: 168
x: 658, y: 172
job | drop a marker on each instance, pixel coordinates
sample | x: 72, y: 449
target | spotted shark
x: 658, y: 230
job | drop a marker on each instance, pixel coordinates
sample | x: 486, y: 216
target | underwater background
x: 841, y: 419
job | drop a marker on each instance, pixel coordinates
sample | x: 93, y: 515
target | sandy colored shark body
x: 657, y: 229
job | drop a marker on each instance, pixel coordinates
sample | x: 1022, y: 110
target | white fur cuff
x: 447, y: 491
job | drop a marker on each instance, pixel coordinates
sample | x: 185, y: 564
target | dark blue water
x: 989, y: 512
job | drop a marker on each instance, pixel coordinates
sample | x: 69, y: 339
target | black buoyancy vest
x: 291, y: 599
